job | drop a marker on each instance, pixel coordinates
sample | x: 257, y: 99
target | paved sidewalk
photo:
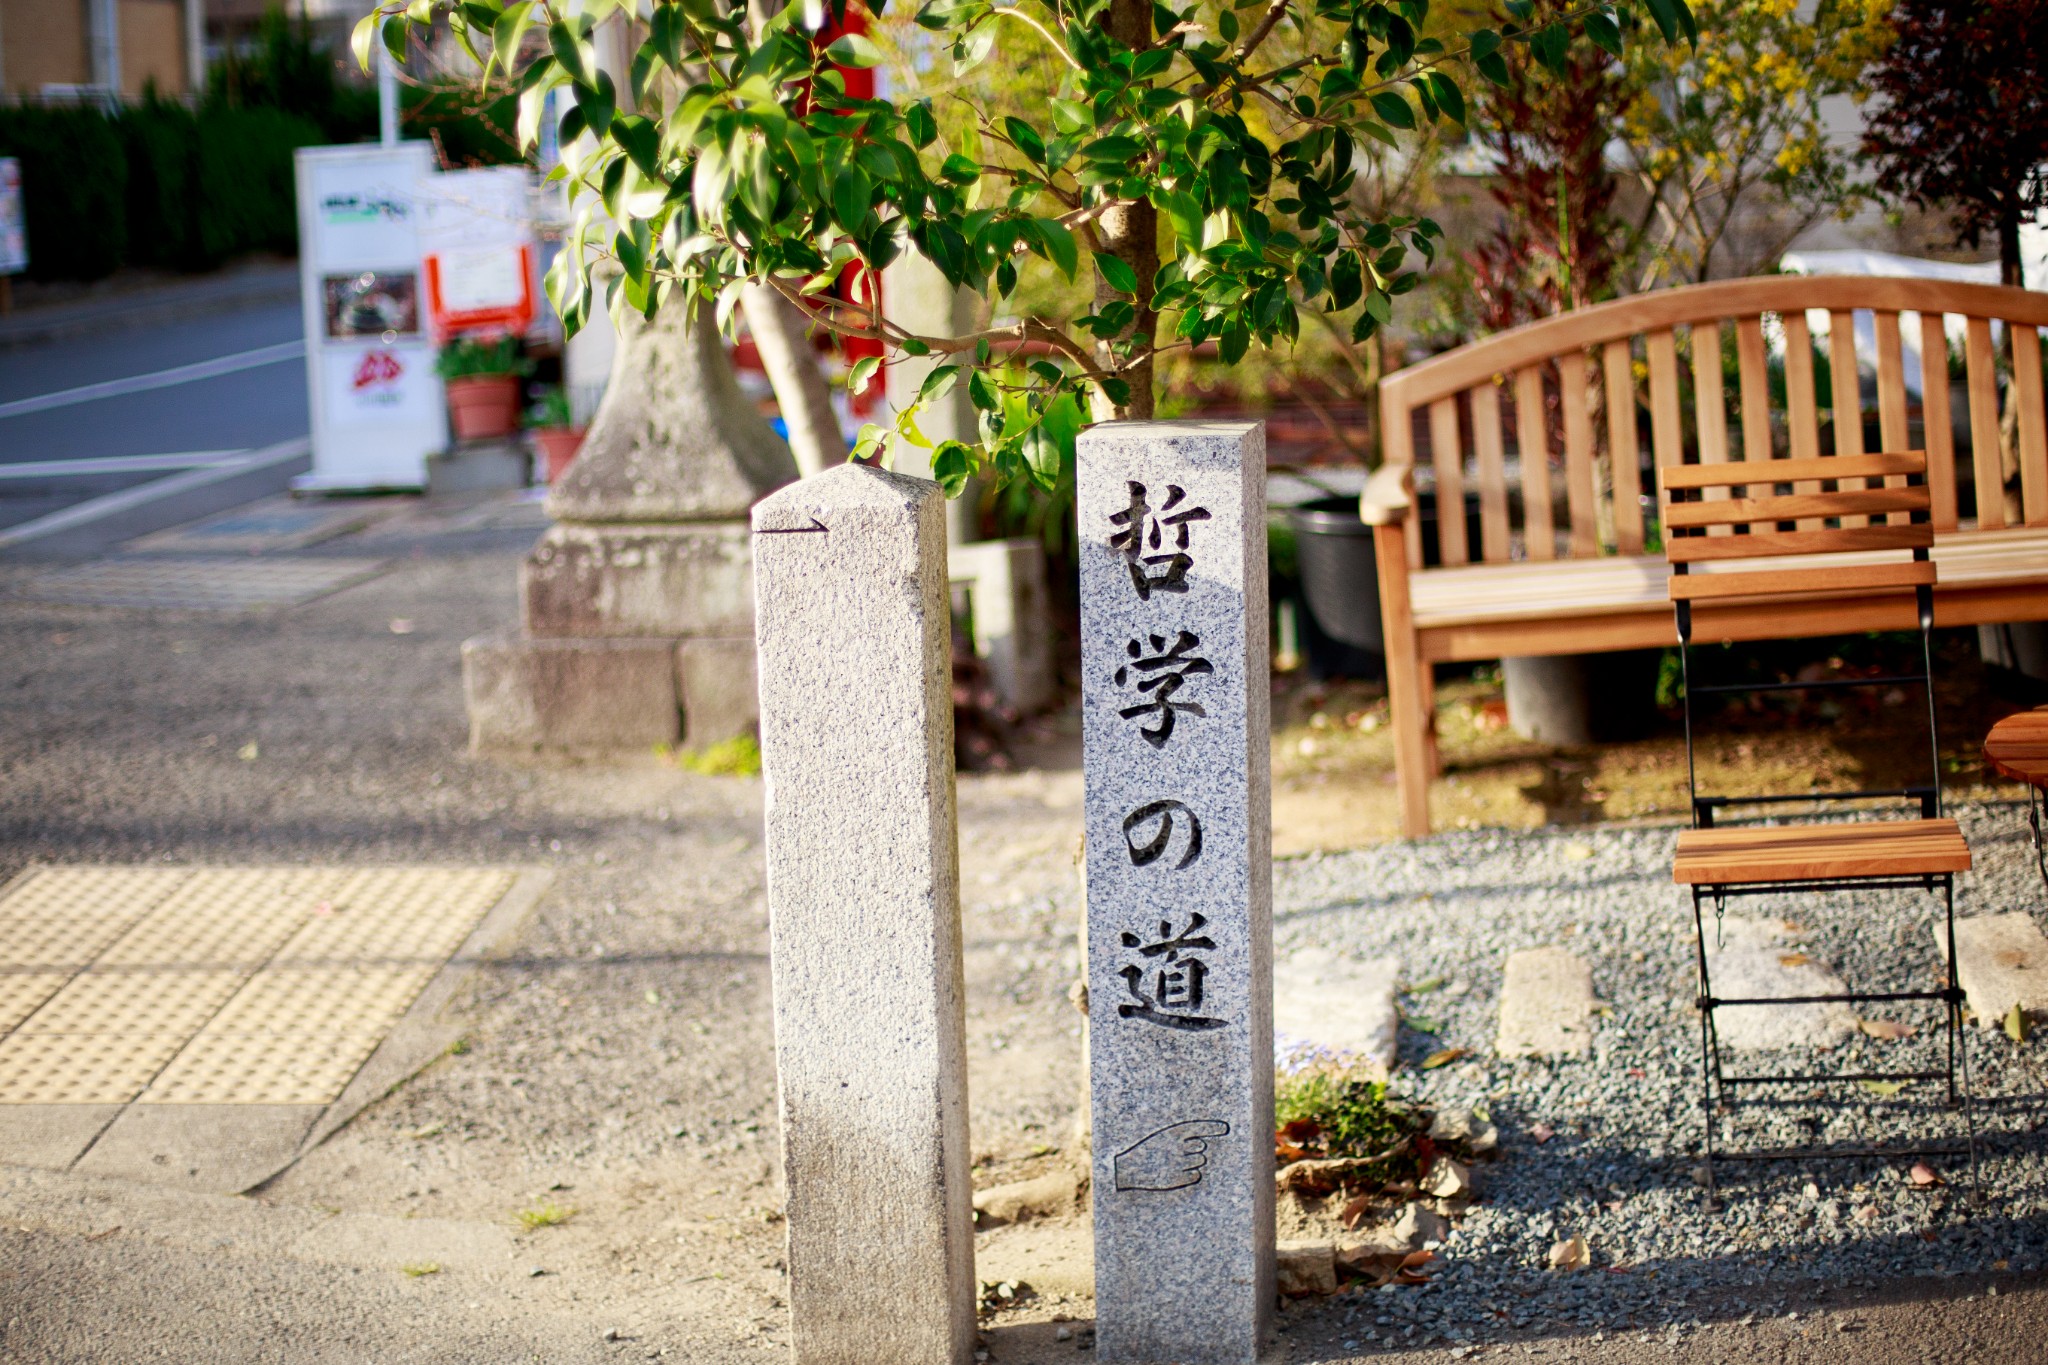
x: 124, y: 302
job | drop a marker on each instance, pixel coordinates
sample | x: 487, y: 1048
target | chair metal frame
x: 1719, y: 1088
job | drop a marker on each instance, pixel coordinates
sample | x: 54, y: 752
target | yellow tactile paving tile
x: 22, y: 992
x: 70, y: 1068
x: 263, y: 1068
x: 218, y: 985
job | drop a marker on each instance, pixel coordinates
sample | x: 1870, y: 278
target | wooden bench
x: 1563, y: 564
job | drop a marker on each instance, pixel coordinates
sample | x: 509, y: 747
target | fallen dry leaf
x: 1793, y: 960
x: 1443, y: 1058
x: 1570, y: 1254
x: 1542, y: 1132
x: 1884, y: 1087
x: 1889, y: 1029
x: 1415, y: 1260
x: 2016, y: 1024
x: 1923, y: 1175
x: 1355, y: 1211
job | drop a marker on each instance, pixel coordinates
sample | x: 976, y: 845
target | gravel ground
x: 1620, y: 1170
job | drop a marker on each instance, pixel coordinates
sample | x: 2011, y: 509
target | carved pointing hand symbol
x: 1170, y: 1159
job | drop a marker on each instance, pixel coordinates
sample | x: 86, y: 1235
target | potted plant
x: 482, y: 374
x: 556, y: 437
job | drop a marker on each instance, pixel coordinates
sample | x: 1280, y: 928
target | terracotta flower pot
x: 483, y: 406
x: 556, y: 447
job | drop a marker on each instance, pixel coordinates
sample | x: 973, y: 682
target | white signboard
x: 378, y: 408
x: 13, y: 219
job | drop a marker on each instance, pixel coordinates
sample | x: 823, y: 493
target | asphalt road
x: 130, y: 403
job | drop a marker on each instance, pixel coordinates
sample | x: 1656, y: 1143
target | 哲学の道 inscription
x: 1175, y: 694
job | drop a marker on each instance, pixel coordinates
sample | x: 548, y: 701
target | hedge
x: 155, y: 184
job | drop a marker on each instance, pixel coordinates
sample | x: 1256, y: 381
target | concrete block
x: 715, y: 679
x: 1176, y: 759
x: 479, y: 467
x: 1302, y: 1269
x: 855, y: 636
x: 1340, y: 1004
x: 1012, y: 626
x: 1759, y: 959
x: 1546, y: 1004
x: 1045, y: 1196
x: 2001, y: 961
x: 637, y: 581
x: 569, y: 694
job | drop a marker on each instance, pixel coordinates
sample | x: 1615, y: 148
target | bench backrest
x: 1576, y: 382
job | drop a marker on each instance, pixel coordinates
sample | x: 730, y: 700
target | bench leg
x: 1411, y: 682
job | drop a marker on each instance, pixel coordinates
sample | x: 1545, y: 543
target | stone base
x: 479, y: 467
x: 557, y: 694
x: 639, y: 581
x: 1572, y: 700
x: 533, y: 694
x: 2001, y: 963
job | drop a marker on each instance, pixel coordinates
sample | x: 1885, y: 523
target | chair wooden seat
x: 1790, y: 853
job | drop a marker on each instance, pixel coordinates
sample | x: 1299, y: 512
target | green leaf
x: 862, y: 371
x: 1059, y: 245
x: 506, y: 32
x: 1119, y: 275
x: 1347, y: 280
x: 952, y: 466
x: 1042, y: 457
x: 981, y: 391
x: 961, y: 170
x: 852, y: 50
x: 1025, y: 138
x: 1604, y: 33
x: 397, y: 36
x: 1393, y: 109
x: 912, y: 346
x: 938, y: 383
x: 852, y: 192
x: 575, y: 57
x: 1448, y: 97
x: 362, y: 36
x: 919, y: 123
x: 2016, y: 1023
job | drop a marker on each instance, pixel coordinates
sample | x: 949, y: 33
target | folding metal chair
x: 1737, y: 549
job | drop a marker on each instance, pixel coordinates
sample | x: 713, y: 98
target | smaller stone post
x: 854, y: 636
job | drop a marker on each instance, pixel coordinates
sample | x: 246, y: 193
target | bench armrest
x: 1385, y: 500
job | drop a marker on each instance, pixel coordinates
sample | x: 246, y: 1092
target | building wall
x: 43, y: 42
x: 152, y: 46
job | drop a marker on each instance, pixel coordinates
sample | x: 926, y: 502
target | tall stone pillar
x: 864, y: 918
x: 1174, y: 703
x: 637, y: 606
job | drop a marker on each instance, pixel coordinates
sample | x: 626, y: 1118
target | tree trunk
x: 800, y: 388
x: 1130, y: 232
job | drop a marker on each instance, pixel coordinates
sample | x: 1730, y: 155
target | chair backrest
x: 1575, y: 383
x: 1787, y: 509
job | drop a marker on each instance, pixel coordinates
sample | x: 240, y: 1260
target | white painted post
x: 1175, y: 705
x: 854, y: 637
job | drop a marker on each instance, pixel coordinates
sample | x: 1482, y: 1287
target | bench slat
x: 1784, y: 582
x: 1709, y: 399
x: 1984, y: 424
x: 1449, y: 458
x: 1578, y: 453
x: 1750, y: 511
x: 1810, y: 471
x: 1935, y: 432
x: 1891, y: 398
x: 1697, y: 549
x: 1532, y: 436
x: 2026, y: 366
x: 1493, y: 477
x: 1755, y: 391
x: 1624, y: 455
x: 1802, y: 410
x: 1848, y: 391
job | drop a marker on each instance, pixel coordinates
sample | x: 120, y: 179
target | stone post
x: 854, y: 632
x: 1175, y: 697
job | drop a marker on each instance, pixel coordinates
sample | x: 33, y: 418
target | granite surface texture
x: 1175, y: 697
x: 854, y: 637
